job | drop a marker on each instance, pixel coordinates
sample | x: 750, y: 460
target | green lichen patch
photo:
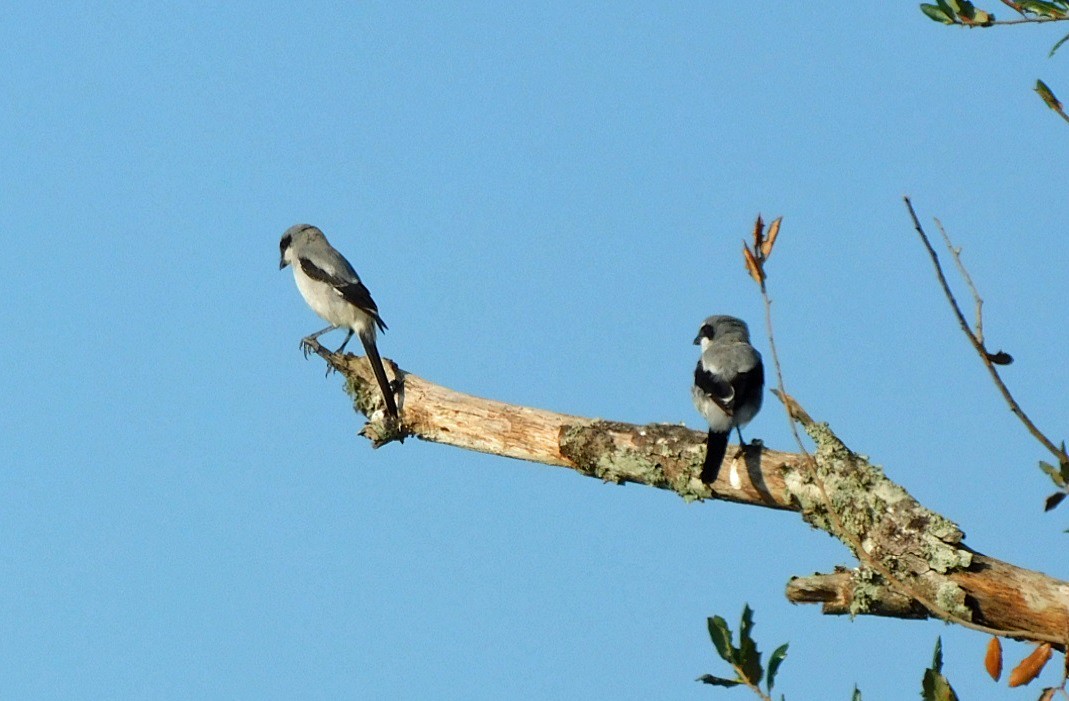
x: 911, y: 543
x: 659, y: 455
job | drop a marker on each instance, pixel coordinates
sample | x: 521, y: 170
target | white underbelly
x: 331, y: 306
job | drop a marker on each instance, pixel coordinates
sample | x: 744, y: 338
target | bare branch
x: 1024, y: 20
x: 977, y: 344
x: 755, y: 259
x: 905, y: 540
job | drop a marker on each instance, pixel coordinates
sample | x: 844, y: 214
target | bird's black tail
x: 716, y: 445
x: 380, y: 374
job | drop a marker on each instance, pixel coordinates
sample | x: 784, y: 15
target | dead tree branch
x: 911, y: 543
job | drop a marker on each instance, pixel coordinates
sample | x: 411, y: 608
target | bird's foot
x: 309, y: 344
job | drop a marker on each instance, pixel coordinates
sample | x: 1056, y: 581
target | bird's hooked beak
x: 698, y: 340
x: 282, y: 263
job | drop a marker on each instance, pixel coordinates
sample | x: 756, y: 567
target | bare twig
x: 978, y: 344
x: 978, y: 330
x: 1027, y: 20
x: 755, y: 262
x: 741, y: 674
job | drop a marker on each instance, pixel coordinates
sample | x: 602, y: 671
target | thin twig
x: 779, y: 371
x: 842, y: 531
x: 1023, y: 20
x: 956, y: 254
x: 978, y: 344
x: 746, y: 681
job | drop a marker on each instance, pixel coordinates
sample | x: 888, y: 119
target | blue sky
x: 545, y: 201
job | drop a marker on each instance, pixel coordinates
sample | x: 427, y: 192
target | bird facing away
x: 333, y: 290
x: 728, y: 385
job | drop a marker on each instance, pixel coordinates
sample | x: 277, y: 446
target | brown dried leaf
x: 999, y: 358
x: 751, y: 265
x: 993, y: 658
x: 770, y: 240
x: 1030, y: 666
x: 758, y: 233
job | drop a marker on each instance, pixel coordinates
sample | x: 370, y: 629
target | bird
x: 333, y: 290
x: 728, y: 384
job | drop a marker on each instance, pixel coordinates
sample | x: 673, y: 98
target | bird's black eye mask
x: 284, y: 244
x: 707, y: 332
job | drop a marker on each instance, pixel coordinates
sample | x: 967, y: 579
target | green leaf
x: 967, y: 11
x: 857, y: 694
x: 1052, y: 50
x: 773, y: 664
x: 1048, y: 96
x: 1041, y: 8
x: 745, y: 623
x: 747, y: 656
x: 934, y: 12
x: 717, y: 681
x: 721, y: 636
x: 1053, y: 472
x: 936, y: 687
x: 1053, y: 500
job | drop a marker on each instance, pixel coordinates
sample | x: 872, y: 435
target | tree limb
x: 909, y: 542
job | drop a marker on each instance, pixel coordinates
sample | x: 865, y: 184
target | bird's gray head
x: 296, y: 237
x: 721, y: 328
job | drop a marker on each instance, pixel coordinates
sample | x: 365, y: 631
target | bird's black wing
x: 352, y: 291
x: 719, y: 390
x: 749, y: 385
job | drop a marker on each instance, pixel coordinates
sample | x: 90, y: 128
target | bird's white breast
x: 328, y: 303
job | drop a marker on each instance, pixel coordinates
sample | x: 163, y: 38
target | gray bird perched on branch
x: 333, y: 290
x: 728, y: 384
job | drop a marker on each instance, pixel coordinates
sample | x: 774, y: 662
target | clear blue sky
x: 545, y: 201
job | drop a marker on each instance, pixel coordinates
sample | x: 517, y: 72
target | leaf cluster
x: 957, y: 12
x: 744, y: 658
x: 965, y: 13
x: 1059, y: 475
